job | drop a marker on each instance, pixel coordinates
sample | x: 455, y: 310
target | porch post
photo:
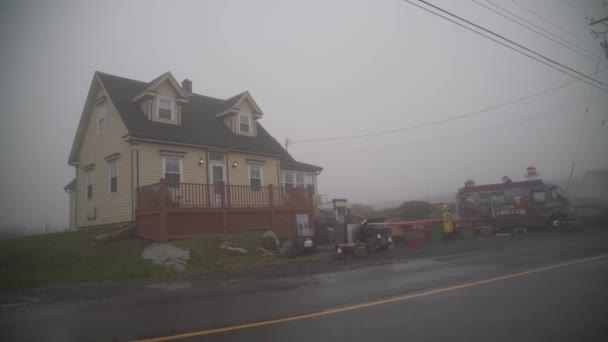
x: 164, y: 236
x: 311, y: 202
x: 223, y: 194
x: 273, y: 218
x: 270, y: 195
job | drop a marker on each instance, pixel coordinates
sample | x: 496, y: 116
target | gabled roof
x: 84, y: 118
x: 70, y: 186
x: 288, y: 162
x: 199, y: 122
x: 151, y: 86
x: 230, y: 104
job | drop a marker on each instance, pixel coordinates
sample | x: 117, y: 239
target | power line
x: 588, y: 54
x: 580, y: 135
x: 434, y: 140
x: 592, y: 53
x: 550, y: 60
x: 433, y: 123
x: 465, y: 115
x: 586, y: 115
x: 501, y: 43
x: 590, y: 146
x: 431, y: 141
x: 454, y: 137
x: 554, y: 25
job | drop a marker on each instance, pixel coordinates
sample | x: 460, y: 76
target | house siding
x: 105, y: 207
x: 245, y: 106
x: 165, y: 89
x: 240, y: 175
x: 229, y: 120
x: 150, y: 163
x: 73, y: 199
x: 146, y: 107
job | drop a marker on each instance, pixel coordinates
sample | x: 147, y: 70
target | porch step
x: 360, y: 251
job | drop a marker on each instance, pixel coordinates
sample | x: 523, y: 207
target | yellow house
x: 132, y: 134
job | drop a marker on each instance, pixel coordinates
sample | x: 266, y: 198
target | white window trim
x: 86, y: 184
x: 221, y: 164
x: 250, y: 119
x: 181, y: 166
x: 261, y: 172
x: 285, y: 177
x: 170, y: 99
x: 110, y: 162
x: 308, y: 176
x: 295, y: 179
x: 99, y: 117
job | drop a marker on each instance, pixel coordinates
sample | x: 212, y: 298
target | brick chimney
x: 187, y: 86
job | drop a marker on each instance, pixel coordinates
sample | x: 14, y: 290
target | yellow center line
x: 368, y: 304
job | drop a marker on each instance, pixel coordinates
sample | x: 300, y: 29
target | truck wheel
x: 554, y: 223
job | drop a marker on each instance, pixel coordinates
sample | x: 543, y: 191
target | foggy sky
x: 318, y: 69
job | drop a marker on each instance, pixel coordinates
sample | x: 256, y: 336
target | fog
x: 319, y: 70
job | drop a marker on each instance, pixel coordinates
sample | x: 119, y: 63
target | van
x: 527, y: 204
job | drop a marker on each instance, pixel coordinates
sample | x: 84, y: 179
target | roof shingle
x: 199, y: 124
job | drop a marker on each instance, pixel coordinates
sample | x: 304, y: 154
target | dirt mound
x: 415, y: 210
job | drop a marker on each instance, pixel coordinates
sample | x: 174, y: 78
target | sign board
x: 303, y: 227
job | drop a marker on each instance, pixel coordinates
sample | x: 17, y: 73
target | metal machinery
x: 359, y: 239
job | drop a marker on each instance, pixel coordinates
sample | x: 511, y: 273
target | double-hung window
x: 310, y: 184
x: 245, y: 123
x: 300, y: 179
x: 288, y: 179
x: 100, y: 114
x: 255, y: 176
x: 113, y: 174
x: 165, y: 108
x: 172, y: 169
x: 88, y: 178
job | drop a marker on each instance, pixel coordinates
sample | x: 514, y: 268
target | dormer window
x: 245, y: 123
x: 165, y: 108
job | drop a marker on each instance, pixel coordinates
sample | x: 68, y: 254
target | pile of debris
x: 230, y: 250
x: 120, y: 234
x: 167, y: 255
x: 271, y: 247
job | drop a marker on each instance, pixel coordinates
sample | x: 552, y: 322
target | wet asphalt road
x: 564, y: 304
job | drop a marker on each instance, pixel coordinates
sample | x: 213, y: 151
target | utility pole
x: 287, y: 143
x: 570, y: 177
x: 596, y: 34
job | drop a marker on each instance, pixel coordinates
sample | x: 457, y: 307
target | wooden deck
x: 173, y: 211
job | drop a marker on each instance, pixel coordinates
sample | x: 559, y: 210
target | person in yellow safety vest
x: 448, y: 224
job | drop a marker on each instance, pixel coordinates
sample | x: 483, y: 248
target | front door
x: 218, y: 179
x: 536, y: 208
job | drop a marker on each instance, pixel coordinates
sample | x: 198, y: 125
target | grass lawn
x: 72, y: 257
